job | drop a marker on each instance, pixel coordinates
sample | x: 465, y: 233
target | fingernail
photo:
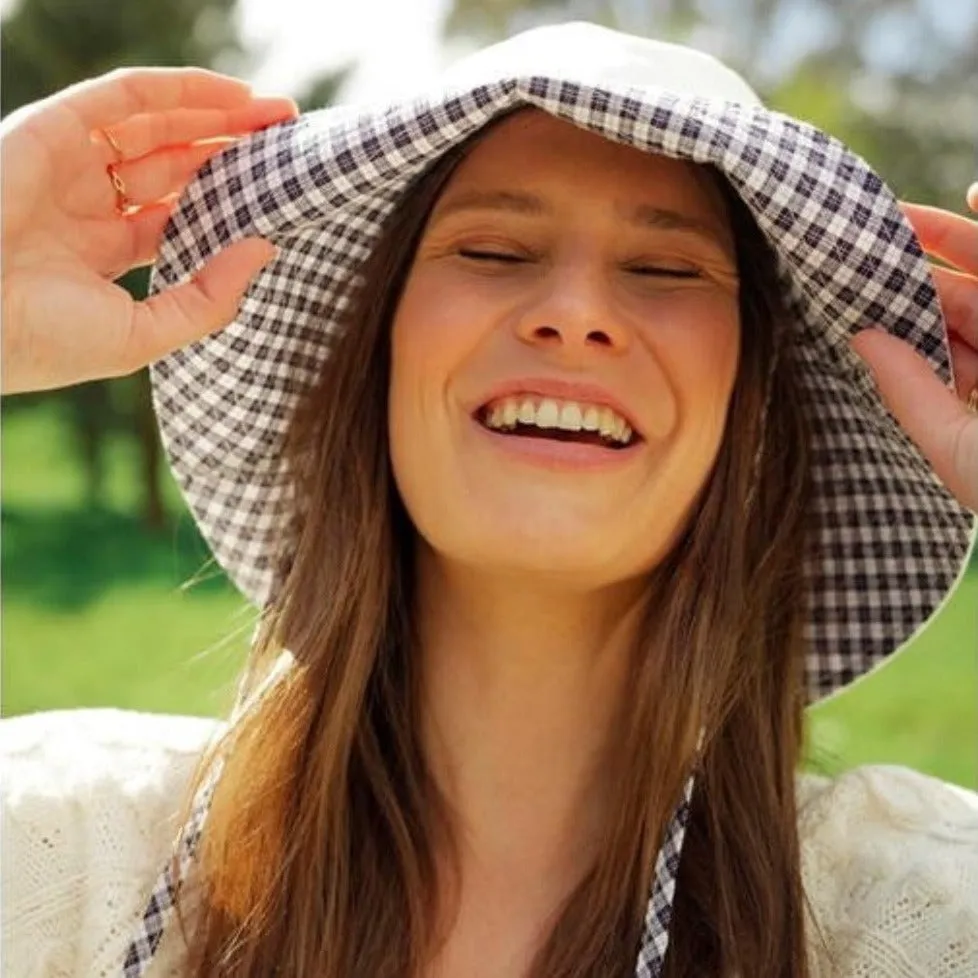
x: 275, y: 101
x: 866, y: 329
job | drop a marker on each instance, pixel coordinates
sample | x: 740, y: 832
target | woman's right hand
x: 64, y: 241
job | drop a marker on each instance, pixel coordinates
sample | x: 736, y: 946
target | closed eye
x: 490, y: 256
x: 643, y: 270
x: 655, y: 272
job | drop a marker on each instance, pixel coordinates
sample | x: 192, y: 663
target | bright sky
x: 395, y: 43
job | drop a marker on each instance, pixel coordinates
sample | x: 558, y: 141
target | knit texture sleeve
x: 91, y: 800
x: 890, y: 864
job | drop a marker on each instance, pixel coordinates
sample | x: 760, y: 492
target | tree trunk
x: 150, y: 456
x: 90, y: 416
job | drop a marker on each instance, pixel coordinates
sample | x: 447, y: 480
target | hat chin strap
x: 658, y: 913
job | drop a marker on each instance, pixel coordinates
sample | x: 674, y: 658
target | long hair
x: 318, y: 854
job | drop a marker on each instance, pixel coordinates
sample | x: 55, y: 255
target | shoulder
x: 90, y: 806
x: 60, y: 734
x: 88, y: 763
x: 890, y: 865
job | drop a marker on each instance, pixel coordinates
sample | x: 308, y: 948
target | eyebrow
x: 642, y: 215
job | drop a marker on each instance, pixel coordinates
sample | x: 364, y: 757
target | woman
x: 540, y: 444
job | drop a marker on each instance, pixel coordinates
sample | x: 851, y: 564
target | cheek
x: 421, y: 354
x: 435, y: 328
x: 432, y: 336
x: 713, y: 364
x: 699, y: 355
x: 699, y: 348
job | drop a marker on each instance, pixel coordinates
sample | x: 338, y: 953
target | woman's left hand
x: 939, y: 422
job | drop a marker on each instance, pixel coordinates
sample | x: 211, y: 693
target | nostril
x: 598, y: 336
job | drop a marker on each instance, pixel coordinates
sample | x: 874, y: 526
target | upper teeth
x: 549, y: 413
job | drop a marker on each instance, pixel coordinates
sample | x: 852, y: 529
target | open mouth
x: 545, y: 418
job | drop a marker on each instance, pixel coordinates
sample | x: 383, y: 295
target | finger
x: 948, y: 236
x: 61, y: 125
x: 139, y: 242
x: 188, y: 312
x: 145, y: 181
x: 972, y: 196
x: 119, y: 94
x: 958, y: 294
x: 144, y: 134
x: 160, y: 174
x: 936, y: 421
x: 964, y: 360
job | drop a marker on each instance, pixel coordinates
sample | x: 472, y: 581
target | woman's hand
x: 939, y: 422
x: 64, y: 241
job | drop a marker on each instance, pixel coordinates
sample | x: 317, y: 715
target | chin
x: 531, y: 544
x: 590, y: 538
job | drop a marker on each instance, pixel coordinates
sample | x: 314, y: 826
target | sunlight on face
x: 559, y: 266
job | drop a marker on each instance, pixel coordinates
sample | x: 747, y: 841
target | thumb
x: 935, y: 419
x: 188, y: 312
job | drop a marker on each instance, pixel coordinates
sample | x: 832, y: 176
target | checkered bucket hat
x: 891, y: 541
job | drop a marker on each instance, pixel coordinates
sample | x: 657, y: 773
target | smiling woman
x: 541, y: 446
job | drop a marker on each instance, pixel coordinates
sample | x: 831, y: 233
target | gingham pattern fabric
x: 162, y: 903
x: 891, y: 540
x: 658, y: 913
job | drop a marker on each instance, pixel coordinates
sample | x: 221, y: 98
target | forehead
x: 534, y: 150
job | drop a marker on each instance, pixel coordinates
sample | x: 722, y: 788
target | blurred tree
x: 46, y: 45
x: 896, y: 79
x: 323, y: 90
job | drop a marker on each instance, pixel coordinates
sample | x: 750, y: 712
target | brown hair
x: 318, y: 855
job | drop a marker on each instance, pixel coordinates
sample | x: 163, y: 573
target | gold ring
x: 122, y: 199
x: 111, y: 140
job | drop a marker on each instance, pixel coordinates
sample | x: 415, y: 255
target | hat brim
x: 892, y: 542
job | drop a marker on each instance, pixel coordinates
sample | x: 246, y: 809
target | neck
x: 522, y: 680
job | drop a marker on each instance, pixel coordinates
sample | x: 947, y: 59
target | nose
x: 573, y: 313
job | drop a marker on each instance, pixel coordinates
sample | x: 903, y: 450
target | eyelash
x: 643, y: 270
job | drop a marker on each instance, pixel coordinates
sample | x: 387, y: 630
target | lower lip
x: 560, y: 456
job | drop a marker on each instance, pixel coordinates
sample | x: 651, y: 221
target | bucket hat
x: 890, y: 541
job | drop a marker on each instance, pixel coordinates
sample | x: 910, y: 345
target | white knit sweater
x: 90, y: 801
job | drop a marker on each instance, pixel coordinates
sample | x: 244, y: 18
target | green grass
x: 97, y: 610
x: 137, y: 646
x: 95, y: 614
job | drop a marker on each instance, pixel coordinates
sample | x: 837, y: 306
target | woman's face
x: 563, y: 283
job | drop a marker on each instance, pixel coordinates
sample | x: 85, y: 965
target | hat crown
x: 587, y: 53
